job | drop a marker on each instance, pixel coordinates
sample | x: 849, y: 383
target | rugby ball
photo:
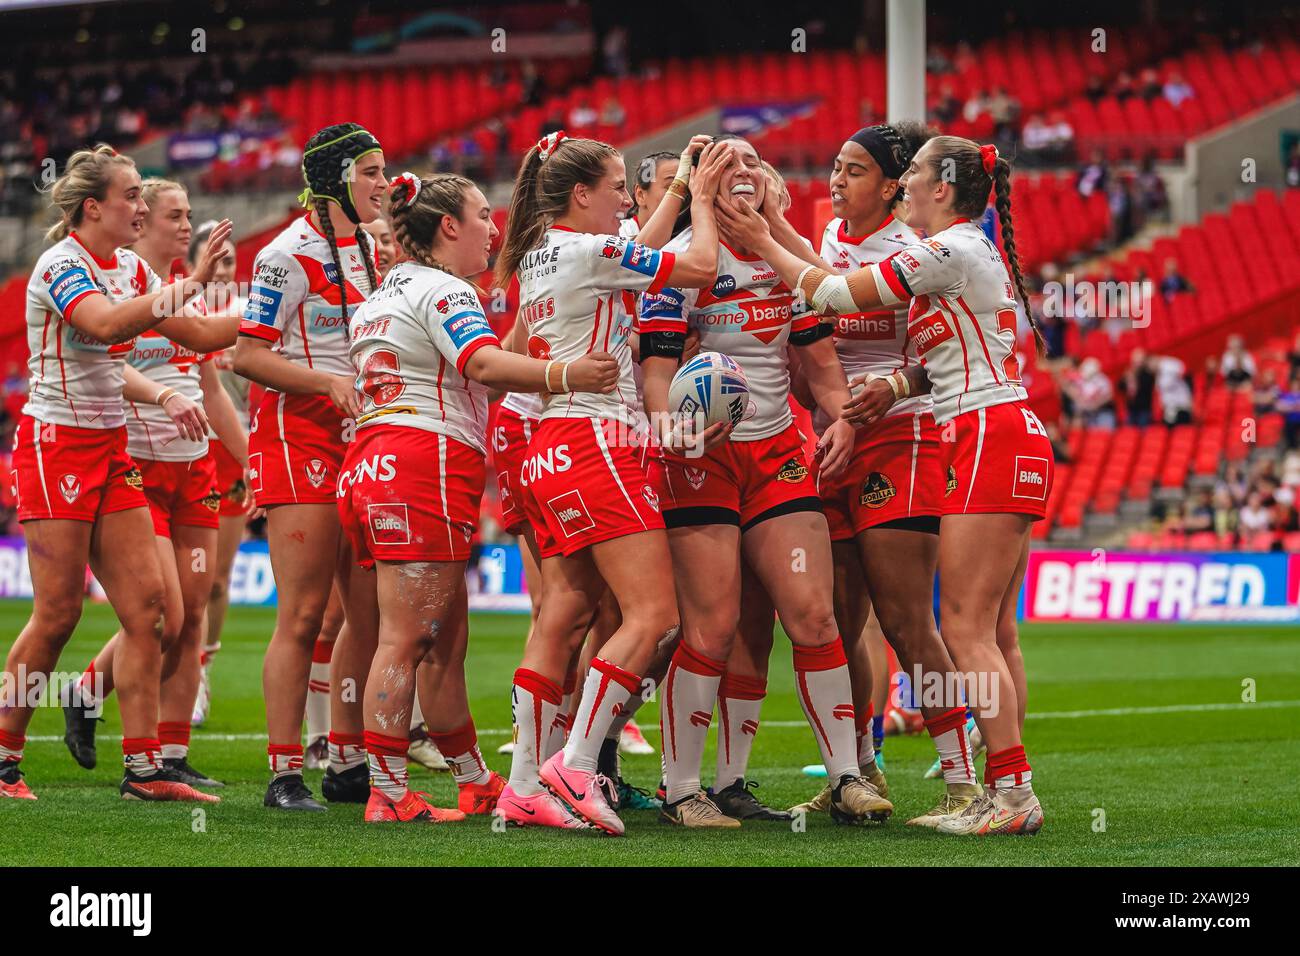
x: 709, y: 389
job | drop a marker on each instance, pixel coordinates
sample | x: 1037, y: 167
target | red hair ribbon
x: 989, y: 157
x: 546, y: 145
x: 412, y: 182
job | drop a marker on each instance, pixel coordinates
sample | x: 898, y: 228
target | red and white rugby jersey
x: 523, y: 404
x: 410, y: 343
x: 150, y: 432
x: 962, y: 321
x: 748, y: 316
x: 871, y: 341
x: 75, y: 378
x: 577, y: 292
x: 294, y: 299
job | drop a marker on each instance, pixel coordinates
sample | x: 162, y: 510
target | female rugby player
x: 963, y: 321
x: 80, y: 497
x: 411, y: 483
x: 593, y: 505
x: 294, y: 342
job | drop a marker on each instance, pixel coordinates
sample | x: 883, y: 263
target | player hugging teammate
x: 963, y: 322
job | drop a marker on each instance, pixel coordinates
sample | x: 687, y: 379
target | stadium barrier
x: 495, y: 576
x: 1098, y: 585
x: 1102, y: 585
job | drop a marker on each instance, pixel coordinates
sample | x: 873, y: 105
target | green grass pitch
x: 1184, y: 772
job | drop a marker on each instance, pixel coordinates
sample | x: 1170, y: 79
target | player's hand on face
x: 187, y: 416
x: 707, y: 175
x: 215, y: 251
x: 835, y: 448
x: 342, y: 391
x: 742, y: 221
x: 872, y: 398
x: 597, y: 372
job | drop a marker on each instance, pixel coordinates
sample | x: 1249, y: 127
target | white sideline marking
x: 1044, y: 715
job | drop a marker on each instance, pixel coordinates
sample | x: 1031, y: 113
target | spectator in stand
x: 1198, y: 513
x: 1177, y: 90
x: 1095, y: 90
x: 963, y: 58
x: 1293, y: 357
x: 1266, y: 392
x: 1094, y: 176
x: 1123, y: 87
x: 975, y: 107
x: 1293, y: 166
x: 1123, y: 224
x: 1062, y: 149
x: 1237, y: 365
x: 1004, y: 109
x: 1173, y: 281
x: 1254, y: 515
x: 612, y: 113
x: 947, y: 107
x: 532, y: 86
x: 1094, y: 396
x: 1036, y: 141
x: 1175, y: 391
x: 1152, y: 199
x: 1149, y: 84
x: 867, y: 115
x: 1288, y: 403
x: 1235, y: 484
x: 936, y: 62
x: 1138, y: 386
x: 583, y: 115
x: 614, y: 50
x: 1225, y: 513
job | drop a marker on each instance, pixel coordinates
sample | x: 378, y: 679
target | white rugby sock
x: 535, y: 701
x: 604, y: 693
x: 690, y: 688
x: 740, y: 698
x: 822, y: 683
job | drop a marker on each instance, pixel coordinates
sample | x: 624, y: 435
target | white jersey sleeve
x: 279, y: 285
x: 924, y: 267
x: 577, y: 293
x: 962, y: 321
x: 410, y: 343
x: 295, y: 303
x: 75, y: 379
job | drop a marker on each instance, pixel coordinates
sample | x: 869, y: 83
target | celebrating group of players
x: 658, y: 559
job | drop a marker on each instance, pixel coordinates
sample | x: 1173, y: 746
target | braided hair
x: 328, y: 161
x: 416, y: 213
x: 972, y: 184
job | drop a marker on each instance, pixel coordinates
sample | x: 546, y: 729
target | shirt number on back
x: 1032, y: 425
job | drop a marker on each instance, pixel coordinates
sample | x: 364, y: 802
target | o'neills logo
x: 133, y: 911
x: 793, y: 471
x: 952, y: 481
x: 877, y: 490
